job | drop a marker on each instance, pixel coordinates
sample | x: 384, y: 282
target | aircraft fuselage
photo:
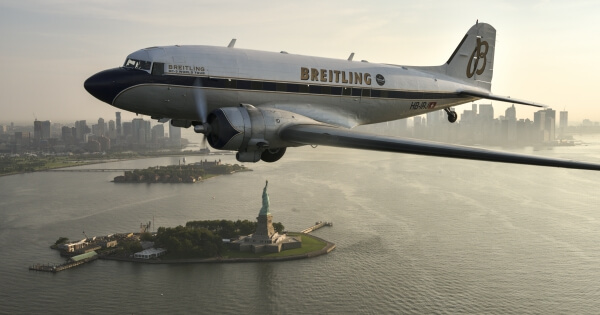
x: 159, y: 82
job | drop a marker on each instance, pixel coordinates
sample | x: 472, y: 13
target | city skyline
x: 477, y: 125
x: 541, y: 55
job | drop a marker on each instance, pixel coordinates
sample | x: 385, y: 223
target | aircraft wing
x: 346, y: 138
x: 495, y: 97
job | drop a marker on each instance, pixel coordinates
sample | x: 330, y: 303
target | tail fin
x: 473, y: 59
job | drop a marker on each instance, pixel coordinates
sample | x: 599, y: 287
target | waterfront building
x: 150, y: 253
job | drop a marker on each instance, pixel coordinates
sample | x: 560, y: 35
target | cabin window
x: 281, y: 87
x: 315, y: 89
x: 346, y: 91
x: 256, y: 85
x: 158, y: 68
x: 303, y: 88
x: 137, y: 64
x: 243, y: 85
x: 269, y: 86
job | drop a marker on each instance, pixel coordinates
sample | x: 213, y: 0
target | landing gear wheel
x: 452, y: 115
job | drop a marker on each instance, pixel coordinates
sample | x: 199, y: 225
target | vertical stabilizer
x: 473, y: 59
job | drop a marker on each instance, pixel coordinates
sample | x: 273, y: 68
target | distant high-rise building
x: 37, y: 130
x: 564, y: 123
x: 158, y: 132
x: 510, y: 123
x: 545, y: 122
x: 46, y: 129
x: 101, y: 127
x: 564, y: 119
x: 112, y: 132
x: 511, y: 113
x: 67, y: 135
x: 127, y: 129
x: 436, y: 117
x: 174, y: 133
x: 119, y: 133
x: 104, y: 143
x: 486, y: 112
x: 41, y: 129
x: 141, y: 130
x: 81, y: 129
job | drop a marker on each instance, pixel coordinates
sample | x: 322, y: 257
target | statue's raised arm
x: 265, y: 200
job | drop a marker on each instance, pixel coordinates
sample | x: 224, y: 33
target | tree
x: 146, y: 236
x: 61, y: 240
x: 278, y: 226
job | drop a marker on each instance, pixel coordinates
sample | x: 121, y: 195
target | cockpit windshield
x: 137, y: 64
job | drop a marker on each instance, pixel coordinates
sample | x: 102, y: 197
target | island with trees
x: 186, y: 173
x: 206, y: 241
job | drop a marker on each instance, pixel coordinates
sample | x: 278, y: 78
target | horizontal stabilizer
x: 494, y: 97
x: 346, y: 138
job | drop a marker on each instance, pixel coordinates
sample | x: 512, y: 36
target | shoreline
x: 323, y: 251
x: 101, y: 161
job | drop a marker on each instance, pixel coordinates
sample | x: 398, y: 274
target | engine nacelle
x: 181, y: 123
x: 253, y: 132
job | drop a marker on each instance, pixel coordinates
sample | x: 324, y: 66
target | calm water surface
x: 414, y: 235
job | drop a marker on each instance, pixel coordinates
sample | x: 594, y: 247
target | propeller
x: 201, y: 109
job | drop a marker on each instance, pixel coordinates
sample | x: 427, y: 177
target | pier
x: 317, y: 226
x: 73, y: 262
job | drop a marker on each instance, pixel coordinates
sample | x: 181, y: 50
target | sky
x: 546, y: 51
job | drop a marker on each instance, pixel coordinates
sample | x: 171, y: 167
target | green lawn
x: 309, y: 244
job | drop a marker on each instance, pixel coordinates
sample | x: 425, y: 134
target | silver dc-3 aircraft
x: 259, y: 103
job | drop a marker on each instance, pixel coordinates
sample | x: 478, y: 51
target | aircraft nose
x: 103, y: 85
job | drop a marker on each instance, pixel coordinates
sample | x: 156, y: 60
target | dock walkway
x: 56, y: 268
x: 317, y: 226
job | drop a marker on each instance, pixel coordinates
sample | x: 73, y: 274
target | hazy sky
x: 546, y: 51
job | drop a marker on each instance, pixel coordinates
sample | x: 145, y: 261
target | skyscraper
x: 41, y: 129
x: 158, y: 132
x: 486, y: 112
x: 37, y: 130
x: 141, y: 130
x: 112, y: 132
x: 564, y: 122
x: 101, y: 127
x: 511, y: 113
x: 81, y: 129
x: 119, y: 133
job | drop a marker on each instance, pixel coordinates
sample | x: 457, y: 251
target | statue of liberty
x: 265, y: 201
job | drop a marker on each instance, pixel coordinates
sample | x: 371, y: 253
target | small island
x: 206, y: 241
x: 183, y: 173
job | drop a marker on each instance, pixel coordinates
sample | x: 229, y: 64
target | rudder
x: 473, y: 59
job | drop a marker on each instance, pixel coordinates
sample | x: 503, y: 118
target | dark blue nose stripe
x: 107, y: 84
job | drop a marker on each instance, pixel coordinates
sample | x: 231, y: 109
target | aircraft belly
x: 157, y: 100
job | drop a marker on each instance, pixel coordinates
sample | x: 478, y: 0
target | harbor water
x: 414, y: 235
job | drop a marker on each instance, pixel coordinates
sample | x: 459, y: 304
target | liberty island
x: 197, y: 242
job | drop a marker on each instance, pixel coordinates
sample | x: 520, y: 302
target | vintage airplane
x: 299, y: 100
